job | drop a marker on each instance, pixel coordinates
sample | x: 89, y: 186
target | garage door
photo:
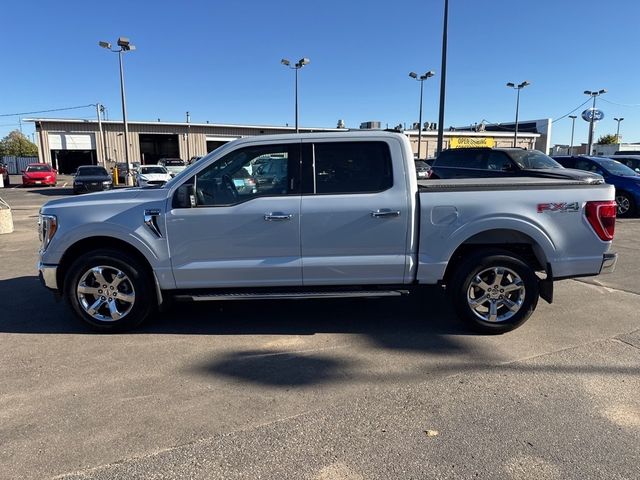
x: 72, y: 141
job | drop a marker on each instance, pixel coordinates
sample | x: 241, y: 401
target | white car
x: 149, y: 175
x: 173, y: 165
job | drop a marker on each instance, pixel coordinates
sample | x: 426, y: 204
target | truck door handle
x: 385, y: 212
x: 277, y: 216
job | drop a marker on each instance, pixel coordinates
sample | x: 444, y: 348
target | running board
x: 291, y: 295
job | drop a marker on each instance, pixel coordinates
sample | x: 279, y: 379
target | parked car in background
x: 631, y: 161
x: 91, y: 178
x: 626, y: 181
x: 173, y: 165
x: 627, y: 152
x: 270, y: 173
x: 423, y: 170
x: 39, y: 174
x: 4, y: 171
x: 152, y: 175
x: 122, y: 171
x: 502, y: 162
x: 194, y: 159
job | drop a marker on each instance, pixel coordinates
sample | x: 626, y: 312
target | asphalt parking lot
x: 327, y: 390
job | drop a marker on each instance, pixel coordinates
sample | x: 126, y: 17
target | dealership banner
x: 469, y: 142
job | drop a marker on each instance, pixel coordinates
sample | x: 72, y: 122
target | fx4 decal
x: 558, y: 207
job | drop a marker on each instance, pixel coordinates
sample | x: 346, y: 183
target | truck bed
x: 518, y: 183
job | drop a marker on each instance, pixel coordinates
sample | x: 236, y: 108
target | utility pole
x: 104, y: 146
x: 188, y: 143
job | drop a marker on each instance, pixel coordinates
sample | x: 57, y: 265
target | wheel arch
x: 517, y: 242
x: 96, y: 243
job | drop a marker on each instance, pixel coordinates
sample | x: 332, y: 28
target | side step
x: 291, y: 295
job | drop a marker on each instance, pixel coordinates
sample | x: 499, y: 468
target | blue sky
x: 221, y: 60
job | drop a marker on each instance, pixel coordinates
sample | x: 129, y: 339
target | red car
x: 39, y: 174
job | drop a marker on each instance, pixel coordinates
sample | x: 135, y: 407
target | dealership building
x: 68, y: 143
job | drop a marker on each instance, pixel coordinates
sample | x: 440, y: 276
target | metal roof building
x: 68, y: 143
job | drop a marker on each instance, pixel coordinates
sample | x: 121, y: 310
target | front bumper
x: 90, y: 187
x: 609, y: 261
x: 48, y: 275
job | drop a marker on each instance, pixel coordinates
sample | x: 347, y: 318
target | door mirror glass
x: 185, y: 196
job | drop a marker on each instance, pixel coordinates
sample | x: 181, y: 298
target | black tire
x: 7, y: 182
x: 626, y: 205
x: 138, y: 284
x: 465, y: 289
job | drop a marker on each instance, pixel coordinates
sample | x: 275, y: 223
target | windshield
x: 39, y: 168
x: 533, y: 159
x: 616, y: 168
x: 154, y: 169
x: 92, y: 171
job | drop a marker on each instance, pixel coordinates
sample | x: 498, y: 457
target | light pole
x: 301, y: 63
x: 573, y: 127
x: 518, y: 87
x: 594, y: 94
x: 618, y: 130
x: 443, y: 77
x: 125, y: 46
x: 421, y: 79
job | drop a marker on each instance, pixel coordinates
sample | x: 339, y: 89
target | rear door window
x: 350, y: 167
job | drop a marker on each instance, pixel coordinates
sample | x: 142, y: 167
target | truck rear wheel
x: 110, y: 290
x: 494, y: 292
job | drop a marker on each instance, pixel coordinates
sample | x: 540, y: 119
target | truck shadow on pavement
x: 414, y: 323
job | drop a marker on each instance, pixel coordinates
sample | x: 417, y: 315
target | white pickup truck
x: 319, y: 216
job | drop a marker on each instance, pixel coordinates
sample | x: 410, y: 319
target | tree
x: 16, y: 144
x: 608, y: 139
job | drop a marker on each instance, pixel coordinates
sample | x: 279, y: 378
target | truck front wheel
x: 110, y: 290
x: 494, y: 291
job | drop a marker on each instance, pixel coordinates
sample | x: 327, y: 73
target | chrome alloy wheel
x: 624, y: 204
x: 496, y: 294
x: 105, y: 293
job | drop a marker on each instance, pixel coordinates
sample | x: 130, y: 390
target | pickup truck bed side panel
x: 451, y: 216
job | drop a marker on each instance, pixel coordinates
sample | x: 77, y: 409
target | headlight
x: 143, y: 178
x: 47, y: 227
x: 106, y: 182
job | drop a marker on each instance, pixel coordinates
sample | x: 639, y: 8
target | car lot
x: 343, y: 389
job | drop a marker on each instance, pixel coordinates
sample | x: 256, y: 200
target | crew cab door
x: 354, y: 214
x: 243, y: 228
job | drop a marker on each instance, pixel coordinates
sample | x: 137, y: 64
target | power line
x: 621, y: 104
x: 46, y: 111
x: 582, y: 104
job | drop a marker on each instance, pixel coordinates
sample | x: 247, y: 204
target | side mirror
x: 21, y: 171
x: 185, y: 196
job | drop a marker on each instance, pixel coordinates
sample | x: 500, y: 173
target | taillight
x: 602, y: 218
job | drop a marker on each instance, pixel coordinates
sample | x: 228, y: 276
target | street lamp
x: 518, y: 87
x: 594, y: 94
x: 125, y: 46
x: 421, y: 79
x: 618, y: 130
x: 301, y: 63
x: 573, y: 126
